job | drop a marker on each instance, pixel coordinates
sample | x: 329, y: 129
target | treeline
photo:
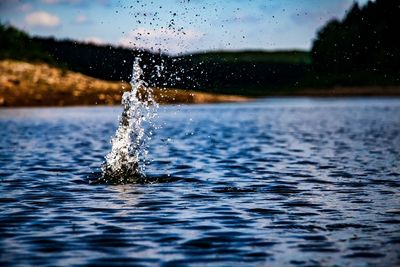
x: 361, y: 49
x: 253, y: 72
x: 16, y: 44
x: 246, y: 73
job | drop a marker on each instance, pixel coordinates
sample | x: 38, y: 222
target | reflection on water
x: 277, y: 182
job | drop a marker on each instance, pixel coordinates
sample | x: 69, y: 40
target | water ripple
x: 287, y: 183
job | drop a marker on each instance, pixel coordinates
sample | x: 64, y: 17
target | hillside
x: 254, y: 73
x: 39, y: 84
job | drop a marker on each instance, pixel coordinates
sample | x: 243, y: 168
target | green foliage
x: 286, y: 57
x: 250, y: 72
x: 364, y: 44
x: 16, y: 44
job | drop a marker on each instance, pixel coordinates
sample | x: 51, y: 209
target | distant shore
x: 38, y: 84
x: 342, y: 91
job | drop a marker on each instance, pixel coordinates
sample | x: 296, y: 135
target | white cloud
x: 166, y: 40
x: 94, y: 40
x: 42, y: 19
x: 81, y: 19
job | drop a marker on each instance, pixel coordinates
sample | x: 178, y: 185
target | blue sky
x: 177, y: 26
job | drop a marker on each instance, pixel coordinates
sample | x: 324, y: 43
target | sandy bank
x: 38, y: 84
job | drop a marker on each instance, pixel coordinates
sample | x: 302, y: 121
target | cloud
x: 42, y: 19
x: 165, y: 40
x: 81, y: 19
x: 94, y: 40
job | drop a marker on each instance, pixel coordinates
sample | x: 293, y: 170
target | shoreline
x: 24, y: 84
x: 347, y: 91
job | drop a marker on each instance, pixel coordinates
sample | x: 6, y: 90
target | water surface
x: 295, y: 182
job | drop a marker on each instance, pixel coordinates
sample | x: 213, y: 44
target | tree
x: 365, y: 41
x: 16, y: 44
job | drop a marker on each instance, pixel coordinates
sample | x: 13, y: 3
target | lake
x: 275, y: 182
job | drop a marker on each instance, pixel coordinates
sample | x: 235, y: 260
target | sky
x: 178, y: 26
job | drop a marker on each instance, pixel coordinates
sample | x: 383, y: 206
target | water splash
x: 127, y: 159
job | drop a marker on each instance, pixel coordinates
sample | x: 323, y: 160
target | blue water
x: 278, y: 182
